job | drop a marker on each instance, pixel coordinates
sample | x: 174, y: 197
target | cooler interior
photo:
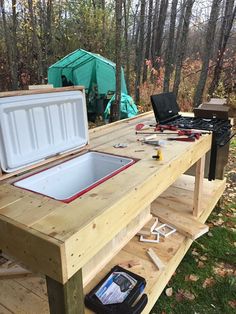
x: 76, y: 176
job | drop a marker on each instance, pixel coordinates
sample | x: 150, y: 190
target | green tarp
x: 91, y: 70
x: 128, y: 108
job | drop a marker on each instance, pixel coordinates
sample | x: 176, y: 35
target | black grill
x: 220, y: 128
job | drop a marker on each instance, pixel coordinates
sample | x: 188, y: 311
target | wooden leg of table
x: 199, y: 176
x: 67, y: 298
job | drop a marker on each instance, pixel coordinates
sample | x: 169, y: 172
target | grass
x: 205, y: 281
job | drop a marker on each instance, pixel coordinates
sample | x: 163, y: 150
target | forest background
x: 185, y: 46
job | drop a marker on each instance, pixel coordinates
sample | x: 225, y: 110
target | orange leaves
x: 209, y: 282
x: 182, y: 295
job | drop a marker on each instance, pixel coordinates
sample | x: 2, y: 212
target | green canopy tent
x: 91, y: 70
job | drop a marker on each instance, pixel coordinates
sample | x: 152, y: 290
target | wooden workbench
x: 81, y: 241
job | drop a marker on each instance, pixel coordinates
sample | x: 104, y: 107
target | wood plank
x: 114, y: 246
x: 187, y: 226
x: 67, y: 298
x: 18, y: 299
x: 170, y: 251
x: 38, y: 252
x: 41, y: 91
x: 4, y: 310
x: 10, y: 269
x: 156, y: 260
x: 114, y: 204
x: 198, y: 189
x: 36, y: 284
x: 30, y: 209
x: 40, y: 86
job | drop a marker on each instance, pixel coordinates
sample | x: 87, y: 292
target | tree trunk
x: 170, y: 46
x: 210, y: 35
x: 115, y: 107
x: 226, y: 27
x: 14, y: 47
x: 127, y: 45
x: 8, y: 44
x: 154, y: 30
x: 182, y: 45
x: 139, y: 56
x: 36, y: 43
x: 159, y: 32
x: 148, y: 41
x: 179, y: 30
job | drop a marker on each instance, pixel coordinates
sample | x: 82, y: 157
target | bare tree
x: 160, y: 31
x: 181, y: 49
x: 139, y: 57
x: 10, y: 47
x: 148, y: 41
x: 226, y: 26
x: 170, y: 45
x: 35, y: 41
x: 127, y: 4
x: 208, y: 48
x: 115, y: 107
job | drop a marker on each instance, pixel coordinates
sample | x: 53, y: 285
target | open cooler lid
x: 35, y: 127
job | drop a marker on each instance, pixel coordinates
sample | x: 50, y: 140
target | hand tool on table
x: 181, y: 139
x: 179, y: 133
x: 163, y: 127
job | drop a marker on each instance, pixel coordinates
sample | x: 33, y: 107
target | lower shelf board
x: 171, y: 250
x: 28, y: 295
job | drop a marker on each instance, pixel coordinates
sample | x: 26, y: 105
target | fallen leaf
x: 195, y: 253
x: 200, y: 264
x: 169, y: 292
x: 209, y: 282
x: 203, y: 258
x: 184, y: 295
x: 222, y: 269
x: 219, y: 222
x: 193, y: 278
x: 232, y: 304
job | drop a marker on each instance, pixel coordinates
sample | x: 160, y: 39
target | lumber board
x: 33, y: 249
x: 187, y: 226
x: 199, y: 175
x: 67, y: 298
x: 125, y: 201
x: 10, y: 269
x: 4, y: 310
x: 115, y: 245
x: 41, y: 91
x: 170, y: 251
x: 16, y: 298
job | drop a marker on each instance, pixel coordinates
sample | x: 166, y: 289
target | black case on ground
x: 126, y: 307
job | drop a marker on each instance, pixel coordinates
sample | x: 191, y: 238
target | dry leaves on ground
x: 200, y: 264
x: 209, y: 282
x: 222, y: 269
x: 232, y: 304
x: 184, y: 295
x: 191, y: 277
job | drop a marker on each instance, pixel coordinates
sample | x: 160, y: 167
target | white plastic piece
x: 148, y: 240
x: 74, y: 176
x: 35, y: 127
x: 154, y: 225
x: 161, y: 230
